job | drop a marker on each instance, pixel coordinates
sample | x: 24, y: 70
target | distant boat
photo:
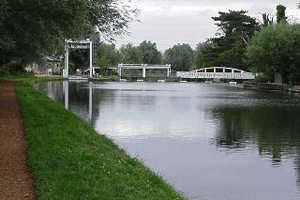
x: 233, y: 83
x: 208, y: 82
x: 123, y: 80
x: 183, y: 81
x: 140, y: 80
x: 161, y: 81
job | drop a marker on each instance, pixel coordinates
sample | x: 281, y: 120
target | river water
x: 210, y: 141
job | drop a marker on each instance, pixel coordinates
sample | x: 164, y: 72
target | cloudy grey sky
x: 169, y: 22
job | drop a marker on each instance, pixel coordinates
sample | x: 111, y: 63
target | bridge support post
x: 66, y: 69
x: 91, y: 60
x: 168, y: 69
x: 120, y: 69
x: 144, y: 70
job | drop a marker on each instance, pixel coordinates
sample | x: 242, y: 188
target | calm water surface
x: 209, y: 141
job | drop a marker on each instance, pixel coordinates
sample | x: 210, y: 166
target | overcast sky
x: 169, y: 22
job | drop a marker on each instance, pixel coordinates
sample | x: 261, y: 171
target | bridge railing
x: 145, y: 70
x: 212, y: 75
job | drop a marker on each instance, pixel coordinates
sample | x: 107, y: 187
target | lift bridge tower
x: 91, y: 43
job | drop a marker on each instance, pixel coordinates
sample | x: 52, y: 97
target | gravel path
x: 15, y: 179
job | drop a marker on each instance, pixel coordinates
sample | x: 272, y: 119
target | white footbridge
x: 216, y: 73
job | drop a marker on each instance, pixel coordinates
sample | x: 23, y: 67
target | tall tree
x: 235, y: 25
x: 149, y: 53
x: 130, y: 54
x: 235, y: 32
x: 276, y: 49
x: 31, y: 29
x: 281, y: 14
x: 205, y: 55
x: 267, y: 20
x: 107, y: 55
x: 180, y: 56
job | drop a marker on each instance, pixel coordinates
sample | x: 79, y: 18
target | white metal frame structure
x: 216, y: 72
x: 143, y: 67
x: 82, y: 44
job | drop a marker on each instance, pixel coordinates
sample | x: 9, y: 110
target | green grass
x: 28, y: 78
x: 17, y: 75
x: 33, y: 79
x: 69, y: 160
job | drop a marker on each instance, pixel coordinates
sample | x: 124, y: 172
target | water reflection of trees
x: 275, y: 131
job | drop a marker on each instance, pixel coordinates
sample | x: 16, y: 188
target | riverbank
x: 69, y: 160
x: 269, y: 86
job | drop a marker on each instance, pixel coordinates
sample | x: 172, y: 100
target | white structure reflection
x: 90, y: 101
x: 66, y: 92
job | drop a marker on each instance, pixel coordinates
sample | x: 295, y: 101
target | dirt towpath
x: 15, y: 179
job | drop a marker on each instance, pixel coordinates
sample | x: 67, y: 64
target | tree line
x: 267, y: 47
x: 181, y: 56
x: 31, y: 29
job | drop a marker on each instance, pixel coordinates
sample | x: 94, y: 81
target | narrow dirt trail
x: 15, y: 179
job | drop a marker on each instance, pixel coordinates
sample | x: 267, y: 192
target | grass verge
x: 69, y: 160
x: 18, y: 75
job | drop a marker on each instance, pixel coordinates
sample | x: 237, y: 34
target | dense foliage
x: 276, y: 49
x: 107, y: 56
x: 237, y: 29
x: 228, y: 48
x: 31, y: 29
x: 180, y: 56
x: 130, y: 54
x: 146, y: 53
x: 281, y: 14
x: 149, y: 53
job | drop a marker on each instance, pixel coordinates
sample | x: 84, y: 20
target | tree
x: 236, y: 30
x: 180, y: 56
x: 130, y: 54
x: 107, y: 55
x: 205, y: 55
x: 78, y: 59
x: 149, y: 53
x: 275, y: 49
x: 235, y: 57
x: 281, y: 14
x: 31, y: 29
x: 267, y: 20
x: 235, y: 25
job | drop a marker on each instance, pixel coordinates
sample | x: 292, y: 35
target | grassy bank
x: 28, y: 77
x: 18, y: 75
x: 69, y: 160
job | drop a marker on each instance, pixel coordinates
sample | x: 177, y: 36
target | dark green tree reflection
x: 275, y: 131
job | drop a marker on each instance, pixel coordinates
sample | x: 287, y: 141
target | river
x: 210, y: 141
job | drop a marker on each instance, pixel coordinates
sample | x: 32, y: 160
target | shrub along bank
x: 69, y: 160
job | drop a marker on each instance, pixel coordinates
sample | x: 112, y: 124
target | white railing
x: 144, y: 67
x: 214, y: 72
